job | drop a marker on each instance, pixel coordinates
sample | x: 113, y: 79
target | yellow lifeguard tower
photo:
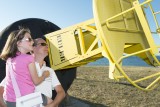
x: 118, y: 30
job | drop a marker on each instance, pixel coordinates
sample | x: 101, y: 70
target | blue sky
x: 63, y: 13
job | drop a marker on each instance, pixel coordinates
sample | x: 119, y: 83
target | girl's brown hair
x: 10, y: 49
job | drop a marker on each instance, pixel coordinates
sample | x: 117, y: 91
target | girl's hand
x: 46, y: 74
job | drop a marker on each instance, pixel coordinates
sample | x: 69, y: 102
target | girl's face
x: 26, y: 44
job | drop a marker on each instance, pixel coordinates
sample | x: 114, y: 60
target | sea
x: 131, y: 61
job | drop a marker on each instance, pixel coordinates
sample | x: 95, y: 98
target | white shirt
x: 46, y: 86
x: 50, y: 82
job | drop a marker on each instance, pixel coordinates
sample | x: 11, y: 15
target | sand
x: 93, y: 88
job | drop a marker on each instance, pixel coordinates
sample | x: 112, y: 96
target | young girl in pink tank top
x: 18, y: 44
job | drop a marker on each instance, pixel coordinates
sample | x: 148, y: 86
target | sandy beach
x: 94, y: 88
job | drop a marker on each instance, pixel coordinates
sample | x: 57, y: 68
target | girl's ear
x: 18, y: 43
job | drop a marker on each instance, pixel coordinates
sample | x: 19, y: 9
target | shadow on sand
x: 71, y: 101
x: 128, y: 84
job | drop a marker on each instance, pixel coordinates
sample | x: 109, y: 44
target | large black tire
x: 38, y: 28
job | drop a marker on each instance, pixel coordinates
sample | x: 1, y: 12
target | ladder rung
x: 158, y: 30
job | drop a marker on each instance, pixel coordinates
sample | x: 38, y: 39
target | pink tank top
x: 22, y: 75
